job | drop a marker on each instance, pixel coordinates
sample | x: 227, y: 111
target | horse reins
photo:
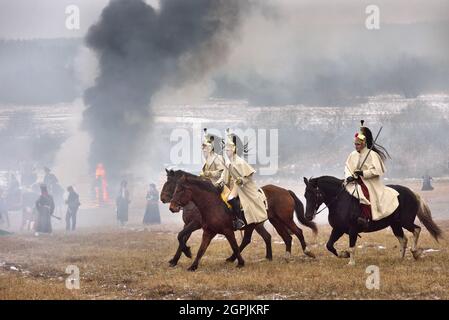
x: 332, y: 201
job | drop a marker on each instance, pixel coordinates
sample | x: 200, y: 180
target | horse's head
x: 169, y: 186
x: 181, y: 196
x: 314, y: 198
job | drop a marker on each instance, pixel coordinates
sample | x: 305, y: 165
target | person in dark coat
x: 152, y: 215
x: 427, y: 182
x: 45, y: 207
x: 122, y: 202
x: 73, y: 203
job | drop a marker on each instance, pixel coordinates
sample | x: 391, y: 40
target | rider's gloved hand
x: 359, y: 173
x: 219, y: 185
x: 350, y: 179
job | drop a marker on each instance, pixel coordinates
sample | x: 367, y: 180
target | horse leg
x: 286, y: 237
x: 187, y: 232
x: 266, y: 236
x: 245, y: 241
x: 298, y: 232
x: 174, y: 261
x: 352, y: 241
x: 399, y: 233
x: 235, y: 248
x: 207, y: 238
x: 416, y: 252
x: 335, y: 235
x: 183, y: 236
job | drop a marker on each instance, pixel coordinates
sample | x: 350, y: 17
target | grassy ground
x: 132, y: 264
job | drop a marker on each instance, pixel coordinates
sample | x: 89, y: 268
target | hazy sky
x: 46, y: 18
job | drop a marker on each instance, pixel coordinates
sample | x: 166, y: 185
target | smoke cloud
x: 142, y: 50
x: 304, y: 53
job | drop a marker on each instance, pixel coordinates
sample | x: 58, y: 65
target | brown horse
x: 215, y: 215
x: 192, y: 220
x: 281, y: 204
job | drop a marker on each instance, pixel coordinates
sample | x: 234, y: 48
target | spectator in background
x: 152, y: 215
x: 427, y: 182
x: 45, y: 207
x: 73, y: 203
x: 122, y: 202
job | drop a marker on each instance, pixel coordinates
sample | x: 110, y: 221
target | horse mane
x: 180, y: 173
x: 326, y: 180
x: 204, y: 184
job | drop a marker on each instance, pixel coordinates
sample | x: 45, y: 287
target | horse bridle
x: 319, y: 200
x: 176, y: 202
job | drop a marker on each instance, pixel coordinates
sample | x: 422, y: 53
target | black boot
x: 236, y: 211
x: 363, y: 223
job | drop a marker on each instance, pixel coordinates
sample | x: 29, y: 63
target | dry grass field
x: 132, y: 263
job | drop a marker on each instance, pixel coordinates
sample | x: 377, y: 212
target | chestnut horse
x: 281, y: 204
x: 192, y: 220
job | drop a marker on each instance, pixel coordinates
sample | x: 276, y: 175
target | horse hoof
x: 230, y: 259
x: 309, y: 253
x: 188, y: 253
x: 417, y: 253
x: 240, y: 265
x: 351, y: 263
x: 172, y: 263
x: 287, y: 256
x: 344, y: 254
x: 269, y: 258
x: 192, y: 268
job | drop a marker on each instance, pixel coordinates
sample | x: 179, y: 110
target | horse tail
x: 425, y: 216
x: 299, y: 210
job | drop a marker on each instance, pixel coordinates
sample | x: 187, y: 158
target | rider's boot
x: 237, y: 222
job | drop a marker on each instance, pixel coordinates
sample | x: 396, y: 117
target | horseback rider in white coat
x: 238, y: 177
x: 214, y: 163
x: 363, y: 172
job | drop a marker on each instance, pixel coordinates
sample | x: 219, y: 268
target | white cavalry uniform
x: 383, y: 199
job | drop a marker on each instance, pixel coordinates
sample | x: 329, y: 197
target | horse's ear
x: 166, y: 170
x: 306, y: 181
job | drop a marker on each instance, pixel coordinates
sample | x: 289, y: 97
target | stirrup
x: 363, y: 222
x: 238, y: 224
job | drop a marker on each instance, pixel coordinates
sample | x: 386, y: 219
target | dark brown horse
x: 215, y: 215
x: 281, y: 205
x: 192, y: 220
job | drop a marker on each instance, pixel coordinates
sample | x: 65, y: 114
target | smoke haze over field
x: 283, y: 56
x: 138, y: 54
x: 282, y: 52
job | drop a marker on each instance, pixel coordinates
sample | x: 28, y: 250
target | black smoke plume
x: 140, y: 50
